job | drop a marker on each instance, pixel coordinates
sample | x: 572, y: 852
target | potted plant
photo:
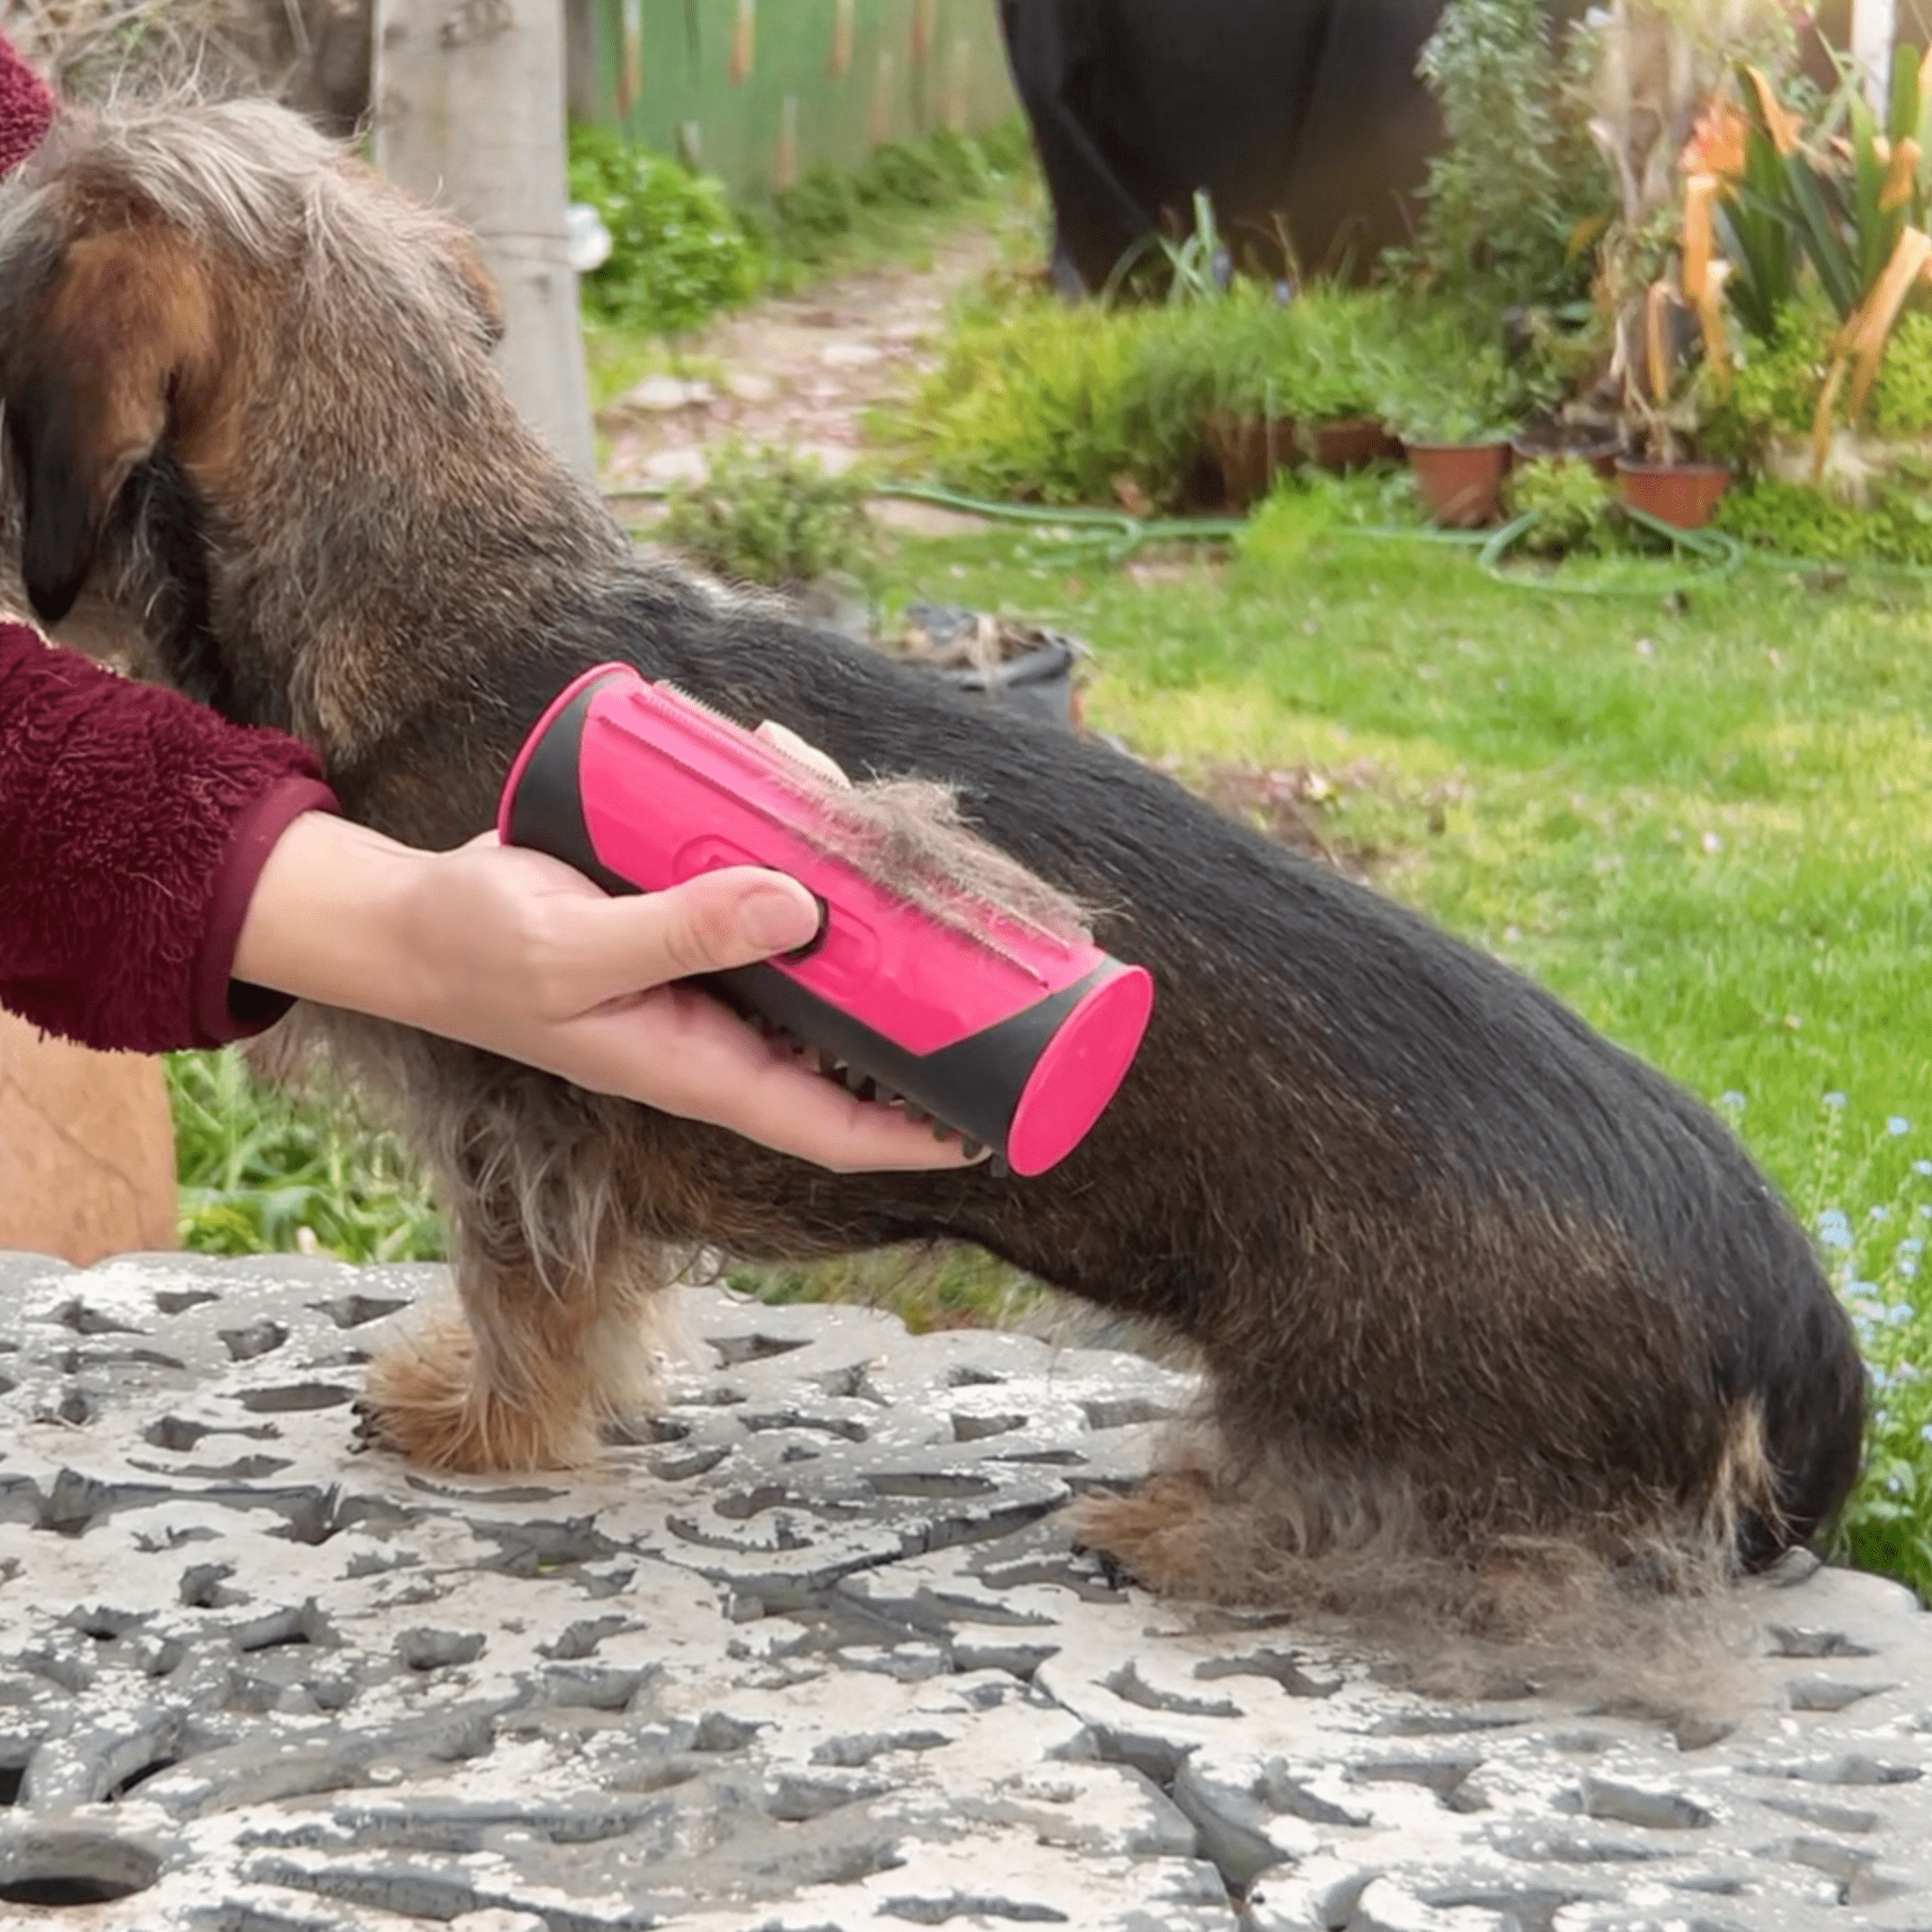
x: 1667, y: 473
x: 1340, y: 344
x: 1455, y: 406
x: 1229, y: 362
x: 1684, y: 492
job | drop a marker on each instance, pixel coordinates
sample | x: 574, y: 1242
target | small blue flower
x: 1923, y: 1168
x: 1912, y: 1244
x: 1900, y: 1313
x: 1879, y: 1213
x: 1835, y: 1101
x: 1925, y: 1431
x: 1897, y: 1124
x: 1731, y: 1101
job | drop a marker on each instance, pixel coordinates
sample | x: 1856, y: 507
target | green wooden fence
x: 761, y: 95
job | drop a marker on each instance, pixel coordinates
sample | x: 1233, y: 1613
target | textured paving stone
x: 809, y: 1654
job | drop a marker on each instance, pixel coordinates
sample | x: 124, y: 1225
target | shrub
x: 678, y: 254
x: 803, y: 225
x: 1514, y: 176
x: 767, y: 517
x: 1233, y: 351
x: 1573, y: 505
x: 1778, y: 380
x: 1776, y: 384
x: 1447, y: 382
x: 1793, y: 521
x: 1343, y: 342
x: 1057, y: 405
x: 1901, y: 399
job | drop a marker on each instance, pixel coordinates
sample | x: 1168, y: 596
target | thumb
x: 721, y: 920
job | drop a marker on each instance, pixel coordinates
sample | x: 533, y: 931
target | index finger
x: 702, y: 1061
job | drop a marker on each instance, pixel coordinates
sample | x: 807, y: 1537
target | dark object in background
x: 1302, y: 114
x: 1020, y: 665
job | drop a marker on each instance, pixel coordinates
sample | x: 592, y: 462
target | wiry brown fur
x: 1465, y: 1281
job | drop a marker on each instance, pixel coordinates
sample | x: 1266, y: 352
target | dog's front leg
x: 556, y: 1329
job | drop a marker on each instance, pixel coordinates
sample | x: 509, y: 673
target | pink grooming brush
x: 1013, y: 1036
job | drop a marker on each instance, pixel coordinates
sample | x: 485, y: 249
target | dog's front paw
x: 427, y: 1401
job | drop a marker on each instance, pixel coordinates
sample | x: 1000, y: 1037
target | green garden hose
x: 1122, y: 532
x: 1118, y: 533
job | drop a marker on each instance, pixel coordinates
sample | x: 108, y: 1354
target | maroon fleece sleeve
x: 133, y: 826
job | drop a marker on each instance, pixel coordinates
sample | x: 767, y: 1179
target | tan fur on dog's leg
x: 524, y: 1377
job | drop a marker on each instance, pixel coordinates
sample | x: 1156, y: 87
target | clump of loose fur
x: 1653, y: 1626
x: 909, y: 834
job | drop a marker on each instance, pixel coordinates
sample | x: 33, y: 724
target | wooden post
x: 469, y: 111
x: 87, y: 1149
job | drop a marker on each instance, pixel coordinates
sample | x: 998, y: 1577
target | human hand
x: 509, y: 950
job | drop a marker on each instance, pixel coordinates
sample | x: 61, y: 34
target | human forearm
x: 122, y: 812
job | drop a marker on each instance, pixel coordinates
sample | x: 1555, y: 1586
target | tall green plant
x: 1502, y: 198
x: 1843, y: 197
x: 678, y: 254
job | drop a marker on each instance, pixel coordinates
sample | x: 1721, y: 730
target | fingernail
x: 774, y: 920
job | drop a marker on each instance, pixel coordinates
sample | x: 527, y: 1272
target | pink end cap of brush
x: 1077, y: 1075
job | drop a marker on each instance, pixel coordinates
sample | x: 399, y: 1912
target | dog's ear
x: 121, y: 334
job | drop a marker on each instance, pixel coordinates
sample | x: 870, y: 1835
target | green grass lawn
x: 1699, y: 811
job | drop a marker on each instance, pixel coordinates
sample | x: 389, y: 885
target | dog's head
x: 165, y: 276
x: 114, y: 352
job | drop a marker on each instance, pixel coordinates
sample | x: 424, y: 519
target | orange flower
x: 1716, y: 143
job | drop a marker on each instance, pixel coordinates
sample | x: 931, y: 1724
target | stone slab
x: 811, y: 1654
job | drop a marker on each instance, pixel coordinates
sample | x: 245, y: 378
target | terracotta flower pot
x: 1352, y: 443
x: 1250, y: 451
x: 1682, y: 494
x: 1461, y: 483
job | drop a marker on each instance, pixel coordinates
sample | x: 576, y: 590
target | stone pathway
x: 802, y: 371
x: 808, y: 1656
